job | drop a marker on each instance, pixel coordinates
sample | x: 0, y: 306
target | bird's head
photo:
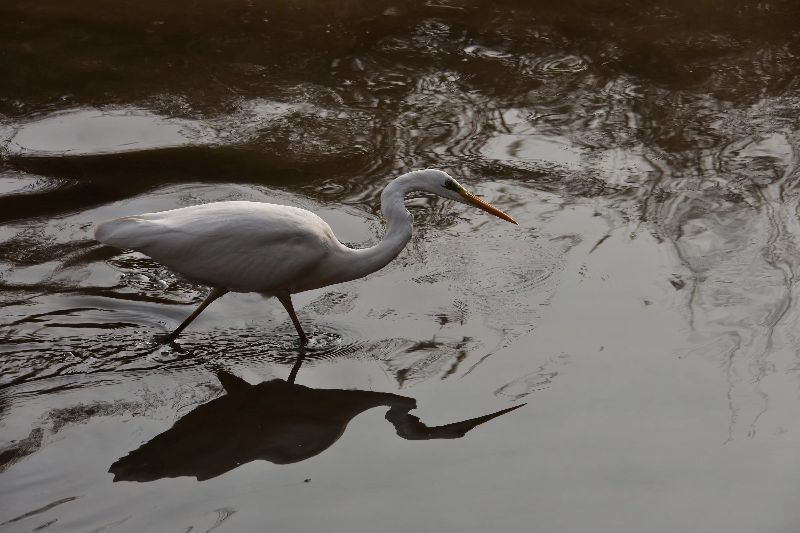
x: 442, y: 184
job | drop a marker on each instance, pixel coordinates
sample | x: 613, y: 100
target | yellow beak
x: 489, y: 208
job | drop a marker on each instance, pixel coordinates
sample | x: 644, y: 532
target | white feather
x: 238, y: 246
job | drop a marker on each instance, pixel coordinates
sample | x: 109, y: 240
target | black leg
x: 286, y: 300
x: 213, y: 295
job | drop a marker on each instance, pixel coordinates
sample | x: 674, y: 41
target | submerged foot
x: 165, y: 338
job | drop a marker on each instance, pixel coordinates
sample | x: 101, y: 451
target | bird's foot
x: 165, y: 338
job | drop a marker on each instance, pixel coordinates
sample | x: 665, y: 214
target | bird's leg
x: 213, y: 295
x: 286, y: 300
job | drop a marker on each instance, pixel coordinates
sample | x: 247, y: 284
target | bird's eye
x: 450, y: 184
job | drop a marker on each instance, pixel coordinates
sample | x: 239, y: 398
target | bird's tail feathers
x: 121, y: 232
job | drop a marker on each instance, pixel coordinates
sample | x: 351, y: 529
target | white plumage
x: 237, y: 246
x: 271, y: 249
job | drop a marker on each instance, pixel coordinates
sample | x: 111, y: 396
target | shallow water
x: 644, y: 309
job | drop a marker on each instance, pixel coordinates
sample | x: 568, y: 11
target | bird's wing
x: 239, y: 246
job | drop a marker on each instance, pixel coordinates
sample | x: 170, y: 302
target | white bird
x: 274, y: 250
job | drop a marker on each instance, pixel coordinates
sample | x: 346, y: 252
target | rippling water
x: 645, y: 308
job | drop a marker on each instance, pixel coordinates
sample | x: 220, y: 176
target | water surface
x: 645, y: 308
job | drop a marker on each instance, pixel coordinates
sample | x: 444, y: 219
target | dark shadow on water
x: 275, y: 421
x: 95, y: 179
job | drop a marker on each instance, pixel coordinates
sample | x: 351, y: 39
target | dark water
x: 645, y: 308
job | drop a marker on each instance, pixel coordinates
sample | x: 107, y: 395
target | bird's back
x: 239, y: 246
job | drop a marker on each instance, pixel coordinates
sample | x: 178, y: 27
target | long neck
x: 398, y: 230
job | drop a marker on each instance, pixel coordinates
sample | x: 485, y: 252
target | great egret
x: 275, y: 250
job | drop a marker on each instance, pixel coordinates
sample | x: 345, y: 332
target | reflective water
x: 645, y: 308
x: 276, y: 421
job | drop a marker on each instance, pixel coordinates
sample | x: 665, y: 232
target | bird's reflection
x: 277, y: 421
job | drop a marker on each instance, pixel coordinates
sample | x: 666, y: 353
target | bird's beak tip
x: 509, y: 219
